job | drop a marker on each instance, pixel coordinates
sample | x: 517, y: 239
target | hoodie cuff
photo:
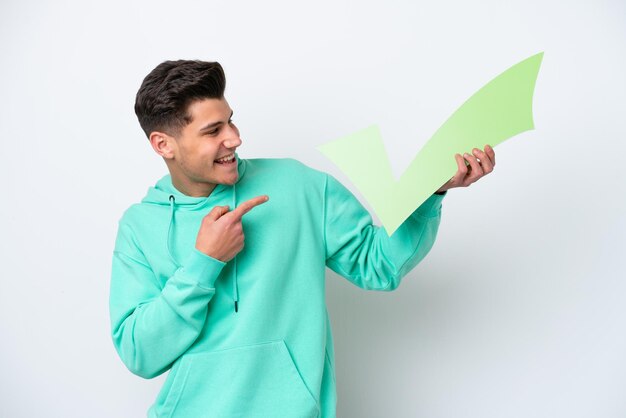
x: 431, y: 208
x: 202, y: 268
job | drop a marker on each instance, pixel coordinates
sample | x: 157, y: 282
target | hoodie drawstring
x: 169, y: 229
x: 169, y: 251
x: 235, y: 287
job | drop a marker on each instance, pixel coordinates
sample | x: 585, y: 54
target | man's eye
x: 213, y: 132
x: 230, y: 121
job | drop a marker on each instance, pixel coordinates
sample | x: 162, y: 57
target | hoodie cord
x: 169, y: 229
x: 235, y: 287
x: 169, y: 251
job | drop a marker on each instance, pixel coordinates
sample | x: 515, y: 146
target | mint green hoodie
x: 251, y: 337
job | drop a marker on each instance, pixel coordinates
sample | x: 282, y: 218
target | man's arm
x: 152, y: 326
x: 364, y: 253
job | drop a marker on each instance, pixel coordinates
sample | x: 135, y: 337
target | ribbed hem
x: 202, y: 268
x: 431, y: 208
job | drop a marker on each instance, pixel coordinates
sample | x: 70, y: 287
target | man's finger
x: 485, y: 160
x: 245, y: 207
x: 217, y: 212
x: 461, y: 172
x: 477, y: 170
x: 491, y: 153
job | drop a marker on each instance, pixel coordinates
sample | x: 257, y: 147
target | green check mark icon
x: 498, y: 111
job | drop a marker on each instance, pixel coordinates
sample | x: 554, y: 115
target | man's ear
x: 163, y: 144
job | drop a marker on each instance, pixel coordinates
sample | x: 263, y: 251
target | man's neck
x: 192, y: 189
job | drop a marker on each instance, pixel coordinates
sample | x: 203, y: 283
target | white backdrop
x: 518, y: 310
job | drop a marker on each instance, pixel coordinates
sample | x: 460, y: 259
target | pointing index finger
x: 247, y: 206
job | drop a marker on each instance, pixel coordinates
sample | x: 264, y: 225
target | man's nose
x: 233, y: 139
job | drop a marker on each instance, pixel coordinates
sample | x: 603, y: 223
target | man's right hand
x: 221, y: 233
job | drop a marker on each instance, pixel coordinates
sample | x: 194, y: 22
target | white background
x: 518, y: 310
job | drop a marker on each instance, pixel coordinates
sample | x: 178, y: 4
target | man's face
x: 204, y: 151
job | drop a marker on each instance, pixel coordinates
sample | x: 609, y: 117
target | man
x: 243, y: 328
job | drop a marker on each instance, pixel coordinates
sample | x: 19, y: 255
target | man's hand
x: 471, y: 168
x: 221, y: 233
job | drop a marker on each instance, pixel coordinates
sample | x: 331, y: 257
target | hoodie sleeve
x: 153, y: 325
x: 362, y: 252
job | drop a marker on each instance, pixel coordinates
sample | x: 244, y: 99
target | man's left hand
x: 471, y: 168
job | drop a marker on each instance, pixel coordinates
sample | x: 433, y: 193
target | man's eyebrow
x: 215, y: 124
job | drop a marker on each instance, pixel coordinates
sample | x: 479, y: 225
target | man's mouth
x: 228, y: 159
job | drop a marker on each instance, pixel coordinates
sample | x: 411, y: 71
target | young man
x: 243, y: 328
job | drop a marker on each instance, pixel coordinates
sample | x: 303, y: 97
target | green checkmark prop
x: 496, y: 112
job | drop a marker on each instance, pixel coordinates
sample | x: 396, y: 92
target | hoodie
x: 251, y: 337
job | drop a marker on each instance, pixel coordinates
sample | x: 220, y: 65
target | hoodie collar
x: 160, y: 193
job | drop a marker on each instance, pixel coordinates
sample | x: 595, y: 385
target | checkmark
x: 498, y: 111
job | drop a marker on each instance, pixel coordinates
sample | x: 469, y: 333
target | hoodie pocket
x: 245, y: 382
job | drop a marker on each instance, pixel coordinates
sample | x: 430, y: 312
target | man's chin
x: 231, y: 180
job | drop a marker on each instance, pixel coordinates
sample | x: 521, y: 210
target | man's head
x: 181, y: 108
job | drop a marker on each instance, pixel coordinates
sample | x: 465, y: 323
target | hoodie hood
x: 160, y: 193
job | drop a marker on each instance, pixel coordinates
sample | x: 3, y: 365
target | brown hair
x: 165, y: 94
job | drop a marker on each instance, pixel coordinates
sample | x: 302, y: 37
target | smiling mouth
x: 229, y: 159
